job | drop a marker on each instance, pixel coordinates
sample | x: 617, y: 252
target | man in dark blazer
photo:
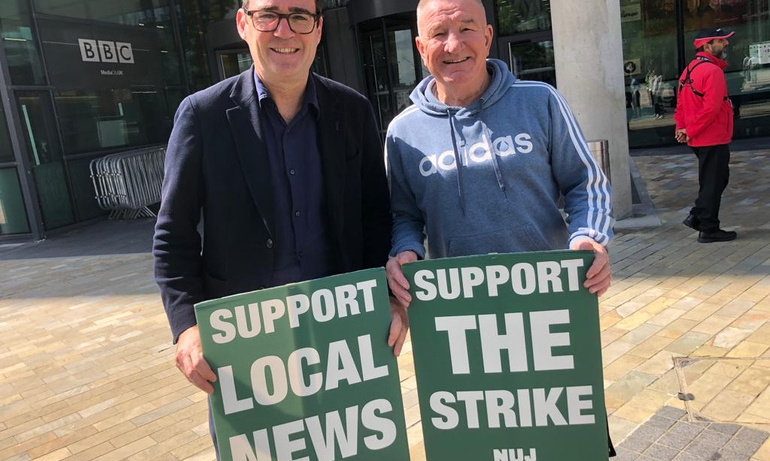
x: 286, y: 170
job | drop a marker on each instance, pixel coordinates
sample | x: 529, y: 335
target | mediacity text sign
x: 508, y: 357
x: 304, y: 372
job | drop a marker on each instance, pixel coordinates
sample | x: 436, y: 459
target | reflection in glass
x: 533, y: 61
x: 13, y: 214
x: 516, y: 16
x: 18, y: 38
x: 93, y: 120
x: 652, y: 67
x: 402, y: 61
x: 376, y: 76
x: 232, y: 63
x: 6, y: 149
x: 39, y: 126
x: 390, y: 68
x: 192, y: 30
x: 83, y: 188
x: 125, y: 12
x: 328, y: 4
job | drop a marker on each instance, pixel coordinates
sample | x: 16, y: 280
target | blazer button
x: 269, y: 243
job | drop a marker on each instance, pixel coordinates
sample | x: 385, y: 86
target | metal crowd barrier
x: 128, y: 182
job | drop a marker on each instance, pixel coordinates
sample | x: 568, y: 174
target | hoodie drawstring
x: 458, y: 161
x: 492, y: 150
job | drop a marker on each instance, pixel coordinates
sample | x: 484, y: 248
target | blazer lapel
x: 333, y: 158
x: 250, y: 145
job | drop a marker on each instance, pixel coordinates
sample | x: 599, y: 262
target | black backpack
x: 687, y: 81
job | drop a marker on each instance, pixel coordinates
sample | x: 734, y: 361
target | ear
x: 421, y: 46
x: 488, y: 34
x: 319, y: 28
x: 240, y: 21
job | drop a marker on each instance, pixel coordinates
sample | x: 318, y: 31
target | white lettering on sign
x: 322, y: 305
x: 105, y: 51
x: 272, y: 379
x: 524, y: 279
x: 511, y: 340
x: 325, y: 433
x: 507, y: 409
x: 514, y: 454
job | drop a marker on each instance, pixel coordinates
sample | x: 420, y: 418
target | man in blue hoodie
x: 479, y: 161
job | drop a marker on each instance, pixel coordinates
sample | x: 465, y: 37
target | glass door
x: 232, y: 62
x: 533, y: 59
x: 392, y: 67
x: 45, y: 158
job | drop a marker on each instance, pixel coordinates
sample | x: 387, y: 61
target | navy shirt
x: 301, y: 245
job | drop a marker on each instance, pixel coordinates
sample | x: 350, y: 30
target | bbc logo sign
x: 105, y: 51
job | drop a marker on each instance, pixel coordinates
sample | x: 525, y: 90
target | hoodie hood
x: 425, y: 98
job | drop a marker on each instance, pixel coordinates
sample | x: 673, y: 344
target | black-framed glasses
x: 268, y: 21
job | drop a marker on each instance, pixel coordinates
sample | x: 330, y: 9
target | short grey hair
x: 422, y: 4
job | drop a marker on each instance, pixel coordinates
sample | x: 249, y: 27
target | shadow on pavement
x: 94, y: 239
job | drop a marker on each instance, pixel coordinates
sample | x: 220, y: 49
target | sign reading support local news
x: 304, y: 372
x: 508, y: 357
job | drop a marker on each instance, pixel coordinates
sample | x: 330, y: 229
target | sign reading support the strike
x: 304, y: 372
x: 507, y: 357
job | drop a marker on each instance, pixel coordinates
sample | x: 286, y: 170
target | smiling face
x: 282, y: 58
x: 454, y: 40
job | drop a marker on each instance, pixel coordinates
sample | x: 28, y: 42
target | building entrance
x: 532, y: 58
x: 232, y: 62
x: 391, y: 64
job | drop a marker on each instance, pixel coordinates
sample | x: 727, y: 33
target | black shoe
x: 692, y: 222
x: 718, y: 235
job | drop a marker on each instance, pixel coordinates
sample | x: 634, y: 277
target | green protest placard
x: 304, y: 372
x: 507, y: 357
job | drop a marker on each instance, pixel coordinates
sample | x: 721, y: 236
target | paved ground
x: 86, y: 367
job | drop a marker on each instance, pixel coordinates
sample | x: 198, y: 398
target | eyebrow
x: 441, y: 25
x: 292, y: 9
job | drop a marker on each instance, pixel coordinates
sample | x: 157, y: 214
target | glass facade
x: 85, y: 78
x: 20, y: 43
x: 13, y: 214
x: 657, y: 44
x: 45, y: 158
x: 520, y: 16
x: 89, y: 77
x: 6, y: 149
x: 391, y: 65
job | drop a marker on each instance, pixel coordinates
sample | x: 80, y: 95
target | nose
x: 453, y: 43
x: 283, y: 30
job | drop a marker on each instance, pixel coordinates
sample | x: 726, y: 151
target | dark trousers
x: 212, y: 432
x: 713, y: 176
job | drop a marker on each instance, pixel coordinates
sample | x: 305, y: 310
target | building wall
x: 64, y: 104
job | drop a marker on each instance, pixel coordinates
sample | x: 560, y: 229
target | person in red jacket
x: 704, y: 120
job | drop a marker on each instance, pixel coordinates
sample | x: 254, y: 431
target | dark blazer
x: 216, y: 163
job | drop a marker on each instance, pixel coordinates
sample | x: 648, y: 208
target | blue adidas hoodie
x: 486, y: 178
